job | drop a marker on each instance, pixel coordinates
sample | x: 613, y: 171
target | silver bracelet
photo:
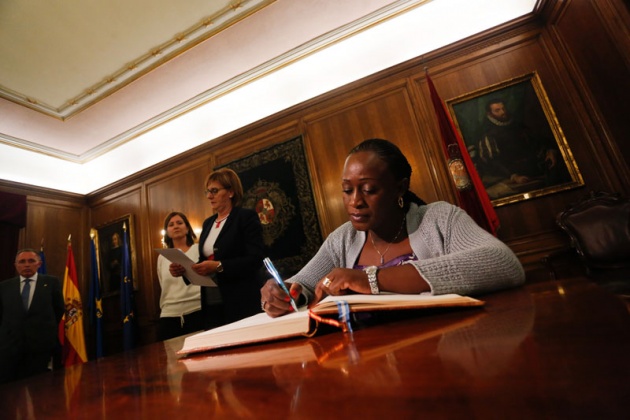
x: 371, y: 273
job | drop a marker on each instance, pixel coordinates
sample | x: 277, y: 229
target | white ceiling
x: 83, y: 50
x: 93, y: 91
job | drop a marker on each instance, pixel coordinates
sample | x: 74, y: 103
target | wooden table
x: 557, y: 349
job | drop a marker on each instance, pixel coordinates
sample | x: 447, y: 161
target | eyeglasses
x: 214, y: 191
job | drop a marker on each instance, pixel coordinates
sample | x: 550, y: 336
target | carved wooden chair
x: 598, y: 227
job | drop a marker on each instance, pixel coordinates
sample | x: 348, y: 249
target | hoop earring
x: 401, y: 202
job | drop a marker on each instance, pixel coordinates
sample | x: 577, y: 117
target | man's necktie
x: 26, y: 291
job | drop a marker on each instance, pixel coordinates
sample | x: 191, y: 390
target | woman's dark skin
x: 370, y: 194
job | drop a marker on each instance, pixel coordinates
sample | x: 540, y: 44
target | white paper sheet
x: 176, y: 255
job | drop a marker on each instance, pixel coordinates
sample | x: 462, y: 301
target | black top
x: 240, y: 249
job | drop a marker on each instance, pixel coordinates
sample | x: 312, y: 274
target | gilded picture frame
x: 109, y: 248
x: 514, y: 138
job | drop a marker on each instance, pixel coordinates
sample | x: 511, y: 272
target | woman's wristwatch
x: 219, y: 267
x: 371, y: 273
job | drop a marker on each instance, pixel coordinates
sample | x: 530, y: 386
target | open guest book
x: 262, y: 328
x: 334, y: 355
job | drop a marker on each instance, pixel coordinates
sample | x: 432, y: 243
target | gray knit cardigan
x: 455, y: 255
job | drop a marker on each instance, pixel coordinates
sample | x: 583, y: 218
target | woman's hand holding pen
x: 274, y: 301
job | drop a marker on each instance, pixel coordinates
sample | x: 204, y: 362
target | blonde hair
x: 229, y: 180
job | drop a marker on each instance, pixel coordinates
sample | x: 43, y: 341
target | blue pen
x: 274, y: 273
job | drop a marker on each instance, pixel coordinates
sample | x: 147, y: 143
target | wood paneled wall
x: 580, y: 50
x: 52, y: 217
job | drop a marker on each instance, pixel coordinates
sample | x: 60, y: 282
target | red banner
x: 471, y: 193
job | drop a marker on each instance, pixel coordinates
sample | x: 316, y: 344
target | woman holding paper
x: 180, y: 304
x: 395, y: 242
x: 231, y: 250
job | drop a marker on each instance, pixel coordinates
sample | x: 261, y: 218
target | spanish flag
x: 73, y: 341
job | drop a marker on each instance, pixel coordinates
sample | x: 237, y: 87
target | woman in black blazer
x: 231, y: 250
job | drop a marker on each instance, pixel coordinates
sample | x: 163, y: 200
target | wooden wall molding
x: 40, y: 192
x: 252, y: 141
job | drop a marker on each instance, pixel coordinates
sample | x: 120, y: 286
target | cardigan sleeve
x: 462, y: 257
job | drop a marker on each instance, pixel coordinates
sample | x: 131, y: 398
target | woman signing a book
x: 395, y: 242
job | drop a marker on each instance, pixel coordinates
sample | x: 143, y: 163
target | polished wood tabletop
x: 557, y: 349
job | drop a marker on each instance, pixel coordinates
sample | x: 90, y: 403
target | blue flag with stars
x: 42, y: 257
x: 95, y: 302
x: 126, y: 295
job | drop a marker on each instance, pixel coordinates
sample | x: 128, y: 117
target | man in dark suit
x: 31, y: 306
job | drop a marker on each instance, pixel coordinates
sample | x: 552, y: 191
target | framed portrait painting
x: 515, y: 141
x: 109, y: 241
